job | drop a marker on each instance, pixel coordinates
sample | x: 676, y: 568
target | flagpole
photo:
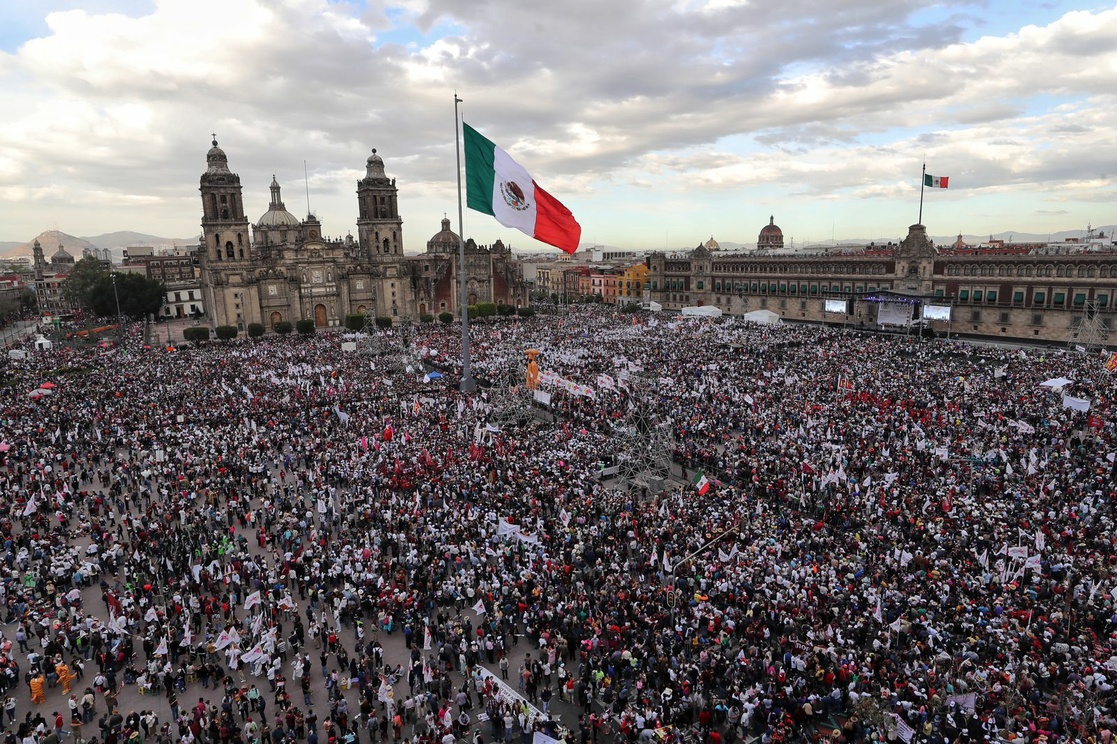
x: 922, y: 181
x: 468, y: 385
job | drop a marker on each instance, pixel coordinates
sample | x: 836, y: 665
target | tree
x: 472, y: 310
x: 446, y: 317
x: 505, y: 310
x: 255, y: 330
x: 138, y: 295
x: 305, y: 327
x: 383, y: 322
x: 225, y: 332
x: 79, y: 285
x: 355, y: 322
x: 525, y: 312
x: 283, y: 327
x: 426, y: 318
x: 196, y: 334
x: 485, y: 310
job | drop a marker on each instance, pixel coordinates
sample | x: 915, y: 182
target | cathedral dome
x: 61, y: 256
x: 277, y: 215
x: 444, y: 241
x: 712, y: 244
x: 771, y: 236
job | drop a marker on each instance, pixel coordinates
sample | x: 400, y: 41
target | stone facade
x: 282, y: 268
x: 1024, y: 296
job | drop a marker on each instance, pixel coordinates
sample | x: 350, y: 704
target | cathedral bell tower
x: 379, y: 227
x: 225, y: 235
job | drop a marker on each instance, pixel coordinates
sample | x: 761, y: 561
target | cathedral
x: 281, y: 268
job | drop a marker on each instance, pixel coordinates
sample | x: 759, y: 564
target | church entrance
x: 361, y: 310
x: 276, y: 318
x: 472, y: 298
x: 320, y: 316
x: 422, y: 308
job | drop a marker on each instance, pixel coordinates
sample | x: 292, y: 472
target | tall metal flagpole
x: 922, y: 181
x: 468, y: 384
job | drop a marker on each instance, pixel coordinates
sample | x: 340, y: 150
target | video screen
x: 936, y: 312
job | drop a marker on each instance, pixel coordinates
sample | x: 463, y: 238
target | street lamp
x: 116, y: 296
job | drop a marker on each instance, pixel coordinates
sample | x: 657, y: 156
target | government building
x: 1034, y: 292
x: 281, y: 268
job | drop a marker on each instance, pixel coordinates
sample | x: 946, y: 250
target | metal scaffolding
x: 1089, y: 330
x: 644, y: 438
x: 509, y: 397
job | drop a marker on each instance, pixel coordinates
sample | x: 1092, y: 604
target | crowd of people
x: 885, y: 538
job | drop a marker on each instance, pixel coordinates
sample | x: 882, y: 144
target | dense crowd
x: 902, y: 539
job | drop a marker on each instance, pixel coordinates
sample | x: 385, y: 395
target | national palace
x: 1018, y: 292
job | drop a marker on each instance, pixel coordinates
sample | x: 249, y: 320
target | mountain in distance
x: 127, y: 238
x: 115, y: 242
x: 50, y: 240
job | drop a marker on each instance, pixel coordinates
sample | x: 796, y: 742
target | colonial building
x: 281, y: 268
x: 1037, y: 295
x: 49, y: 279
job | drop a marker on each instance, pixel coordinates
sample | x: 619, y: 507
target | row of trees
x: 90, y: 287
x: 352, y: 322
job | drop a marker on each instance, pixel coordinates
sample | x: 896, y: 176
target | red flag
x: 388, y: 432
x: 1095, y: 422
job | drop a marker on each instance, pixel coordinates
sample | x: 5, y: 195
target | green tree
x: 485, y: 309
x: 196, y: 333
x: 78, y: 288
x: 383, y: 322
x: 305, y: 327
x: 355, y: 322
x: 426, y: 318
x: 283, y: 327
x: 255, y: 330
x: 525, y: 312
x: 505, y: 310
x: 225, y: 332
x: 446, y: 317
x: 472, y: 310
x: 138, y: 295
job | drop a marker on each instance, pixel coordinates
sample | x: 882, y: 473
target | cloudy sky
x: 658, y: 122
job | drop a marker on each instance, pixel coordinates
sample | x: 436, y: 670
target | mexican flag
x: 498, y: 185
x: 701, y: 483
x: 935, y: 182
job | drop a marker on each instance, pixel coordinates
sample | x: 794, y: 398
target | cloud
x: 799, y: 99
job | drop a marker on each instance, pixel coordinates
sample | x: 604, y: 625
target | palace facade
x: 1003, y: 292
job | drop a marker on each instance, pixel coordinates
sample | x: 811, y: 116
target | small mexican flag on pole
x: 701, y: 483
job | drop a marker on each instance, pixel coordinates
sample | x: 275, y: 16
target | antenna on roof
x: 306, y: 181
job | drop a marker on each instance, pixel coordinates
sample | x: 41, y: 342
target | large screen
x: 936, y: 312
x: 835, y: 306
x: 894, y: 313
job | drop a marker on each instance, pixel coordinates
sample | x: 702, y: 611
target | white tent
x: 43, y: 344
x: 655, y: 307
x: 763, y: 317
x: 705, y: 311
x: 17, y: 354
x: 1056, y: 382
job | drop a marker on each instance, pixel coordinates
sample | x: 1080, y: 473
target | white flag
x: 286, y: 603
x: 254, y: 654
x: 161, y: 649
x: 252, y: 600
x: 31, y: 508
x: 223, y: 640
x: 479, y: 608
x: 878, y: 612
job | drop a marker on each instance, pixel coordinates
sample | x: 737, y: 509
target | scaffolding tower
x: 509, y: 396
x: 1089, y: 330
x: 644, y: 438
